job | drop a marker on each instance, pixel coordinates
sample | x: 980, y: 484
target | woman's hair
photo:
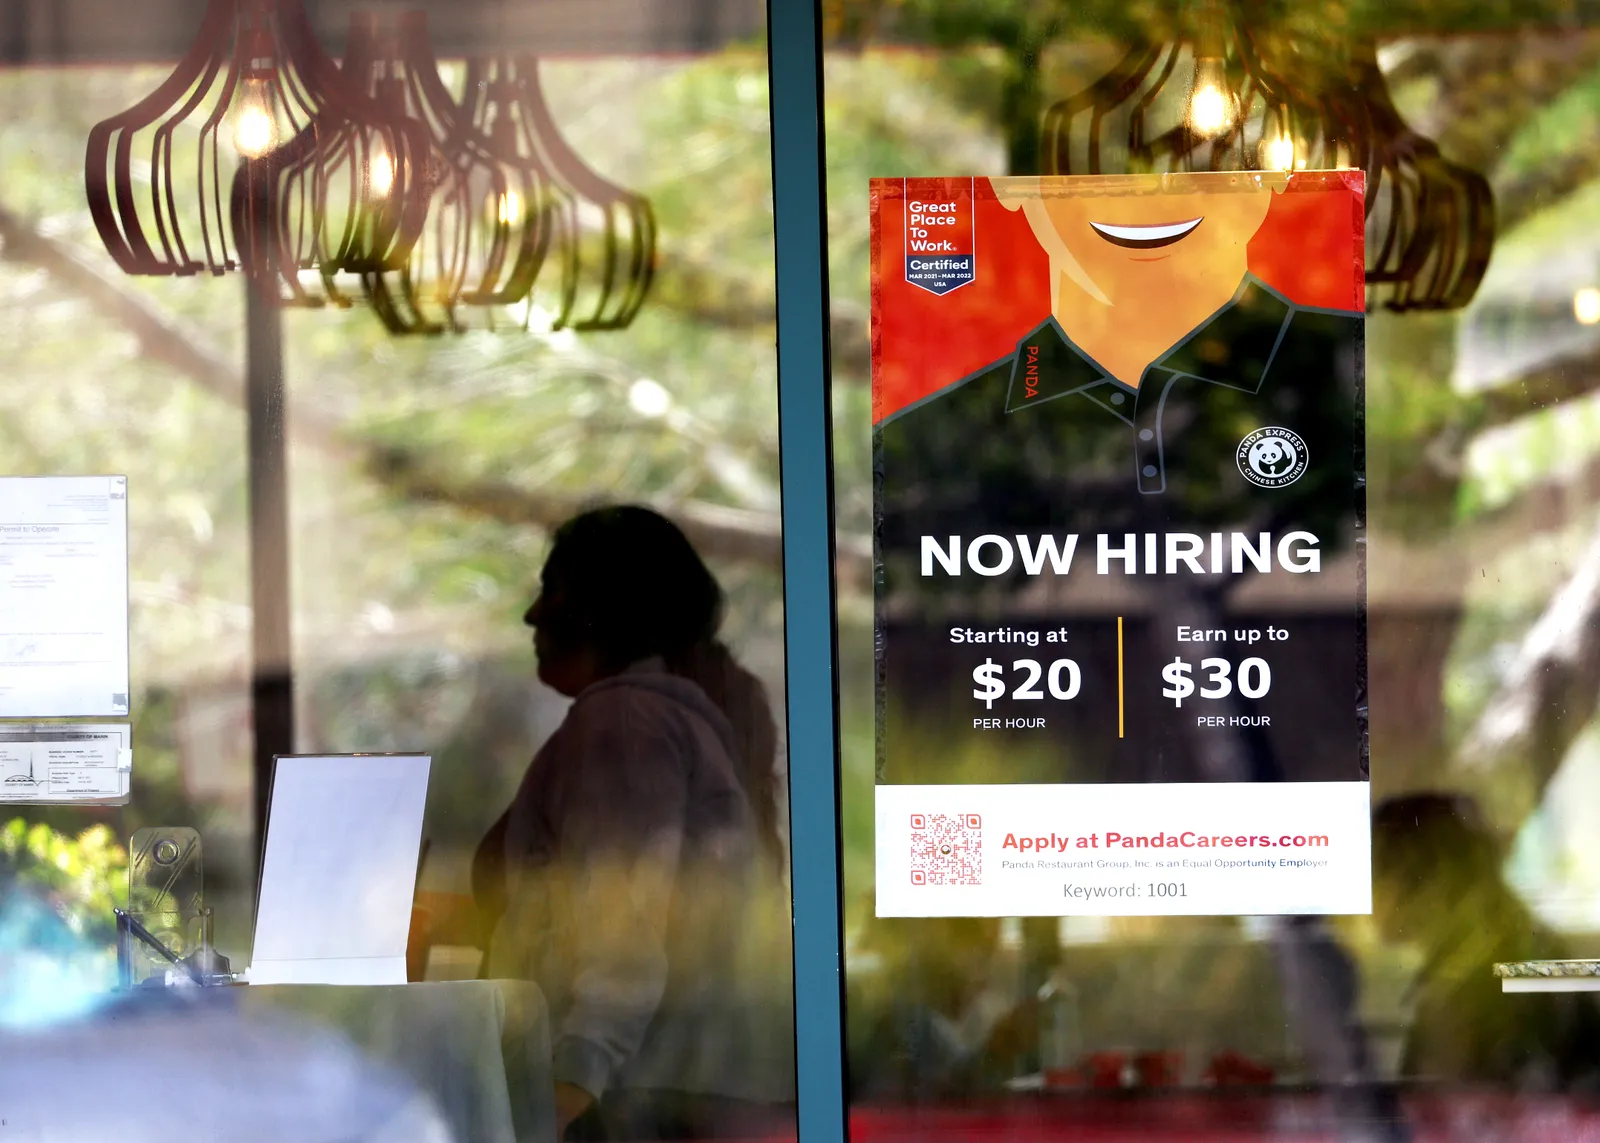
x: 629, y: 586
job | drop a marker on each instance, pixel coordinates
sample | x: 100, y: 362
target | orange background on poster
x: 1310, y: 249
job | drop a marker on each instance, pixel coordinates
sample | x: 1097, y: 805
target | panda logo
x: 1272, y: 457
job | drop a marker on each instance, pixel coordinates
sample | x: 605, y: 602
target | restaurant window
x: 410, y: 590
x: 1082, y: 887
x: 429, y: 357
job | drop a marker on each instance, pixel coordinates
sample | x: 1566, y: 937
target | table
x: 480, y: 1048
x: 1549, y: 976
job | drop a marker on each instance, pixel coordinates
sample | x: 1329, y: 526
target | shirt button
x: 1147, y: 434
x: 1117, y: 398
x: 1149, y: 470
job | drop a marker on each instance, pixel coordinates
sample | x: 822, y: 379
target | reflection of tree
x: 720, y: 531
x: 1551, y: 690
x: 736, y: 299
x: 80, y: 877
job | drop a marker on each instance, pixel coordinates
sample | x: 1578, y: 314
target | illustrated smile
x: 1146, y: 237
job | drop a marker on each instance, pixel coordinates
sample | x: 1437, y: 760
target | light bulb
x: 1210, y: 108
x: 509, y: 207
x: 1278, y: 153
x: 380, y: 171
x: 1208, y: 111
x: 255, y: 130
x: 1586, y: 305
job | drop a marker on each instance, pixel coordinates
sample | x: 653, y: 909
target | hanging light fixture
x: 346, y: 194
x: 492, y: 214
x: 507, y: 197
x: 214, y: 139
x: 604, y: 235
x: 1434, y: 218
x: 1219, y: 96
x: 1214, y: 109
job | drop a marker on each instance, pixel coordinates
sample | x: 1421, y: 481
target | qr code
x: 946, y: 849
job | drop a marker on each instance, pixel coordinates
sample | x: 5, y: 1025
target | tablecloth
x: 479, y: 1048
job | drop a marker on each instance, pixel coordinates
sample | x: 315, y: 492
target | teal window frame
x: 800, y: 235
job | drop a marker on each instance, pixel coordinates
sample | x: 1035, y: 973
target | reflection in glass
x: 1481, y: 446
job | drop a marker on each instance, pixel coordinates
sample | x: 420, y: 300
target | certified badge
x: 1272, y: 457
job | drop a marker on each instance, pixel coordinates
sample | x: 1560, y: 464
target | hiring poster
x: 1119, y: 541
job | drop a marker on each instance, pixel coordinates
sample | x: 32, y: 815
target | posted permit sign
x: 1120, y: 529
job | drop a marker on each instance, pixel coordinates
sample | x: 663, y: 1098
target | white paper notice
x: 1177, y: 849
x: 63, y: 596
x: 340, y: 868
x: 59, y: 763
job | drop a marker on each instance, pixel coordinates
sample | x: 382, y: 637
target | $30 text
x: 1254, y: 679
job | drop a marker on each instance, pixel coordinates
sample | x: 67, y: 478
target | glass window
x: 472, y: 455
x: 1216, y: 572
x: 1444, y: 422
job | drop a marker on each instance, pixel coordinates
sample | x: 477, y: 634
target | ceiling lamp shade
x: 604, y: 235
x: 513, y: 217
x: 1221, y: 97
x: 347, y: 194
x: 328, y: 182
x: 242, y: 147
x: 492, y: 214
x: 1431, y: 222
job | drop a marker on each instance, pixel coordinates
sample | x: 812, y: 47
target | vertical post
x: 271, y: 675
x: 794, y: 55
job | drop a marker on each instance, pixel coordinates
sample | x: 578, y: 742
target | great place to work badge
x: 940, y: 234
x: 1119, y: 538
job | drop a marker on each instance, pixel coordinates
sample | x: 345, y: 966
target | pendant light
x: 213, y: 142
x: 1219, y: 96
x: 604, y: 234
x: 493, y: 214
x: 347, y: 194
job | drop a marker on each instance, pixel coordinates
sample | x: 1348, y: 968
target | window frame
x: 805, y: 434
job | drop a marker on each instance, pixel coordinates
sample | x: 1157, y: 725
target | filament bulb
x: 508, y: 208
x: 380, y: 171
x: 1210, y: 107
x: 255, y: 129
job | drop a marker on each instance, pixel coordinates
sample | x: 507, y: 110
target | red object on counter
x: 1231, y: 1069
x: 1105, y: 1069
x: 1157, y: 1069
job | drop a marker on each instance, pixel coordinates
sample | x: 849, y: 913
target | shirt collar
x: 1233, y: 347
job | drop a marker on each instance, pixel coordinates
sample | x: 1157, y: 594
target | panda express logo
x: 1272, y: 457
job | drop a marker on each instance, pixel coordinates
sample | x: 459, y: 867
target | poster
x: 1119, y: 543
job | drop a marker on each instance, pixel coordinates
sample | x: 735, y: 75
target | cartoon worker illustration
x: 1134, y: 274
x: 1162, y: 352
x: 1169, y: 389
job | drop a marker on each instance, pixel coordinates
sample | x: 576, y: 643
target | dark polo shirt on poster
x: 1045, y: 441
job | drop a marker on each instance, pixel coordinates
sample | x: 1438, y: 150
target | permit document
x: 339, y: 871
x: 63, y: 596
x: 82, y: 762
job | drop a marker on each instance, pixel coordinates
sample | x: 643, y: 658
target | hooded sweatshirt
x: 638, y: 899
